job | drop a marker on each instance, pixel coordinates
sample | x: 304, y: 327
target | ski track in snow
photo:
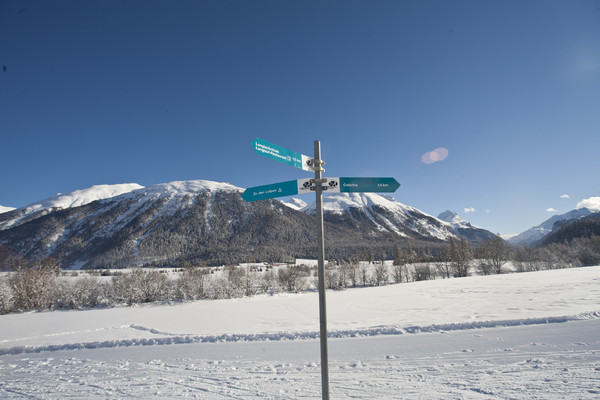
x: 494, y: 363
x: 167, y: 338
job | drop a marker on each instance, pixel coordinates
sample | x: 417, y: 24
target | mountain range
x: 205, y: 222
x: 536, y: 234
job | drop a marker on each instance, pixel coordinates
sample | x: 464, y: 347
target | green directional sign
x: 346, y: 185
x: 278, y: 153
x: 281, y: 189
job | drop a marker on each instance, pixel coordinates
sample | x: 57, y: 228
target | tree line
x: 44, y: 287
x: 47, y: 288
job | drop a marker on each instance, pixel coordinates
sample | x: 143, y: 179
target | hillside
x: 534, y: 235
x: 205, y: 222
x: 583, y: 228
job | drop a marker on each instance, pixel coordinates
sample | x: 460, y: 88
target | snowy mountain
x: 295, y: 204
x: 372, y: 213
x: 453, y: 218
x: 193, y: 222
x: 463, y: 228
x: 6, y: 209
x: 167, y: 224
x: 537, y: 233
x: 581, y: 228
x: 375, y: 214
x: 62, y: 201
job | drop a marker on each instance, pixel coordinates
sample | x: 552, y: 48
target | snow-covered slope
x: 464, y: 228
x: 339, y: 203
x: 177, y: 222
x: 295, y: 203
x: 6, y: 209
x: 101, y: 192
x: 182, y: 188
x: 453, y: 218
x: 204, y: 221
x: 84, y: 196
x: 535, y: 234
x: 381, y: 213
x: 62, y: 201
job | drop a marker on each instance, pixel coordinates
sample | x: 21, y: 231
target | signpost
x: 318, y: 185
x: 287, y: 188
x: 278, y: 153
x: 333, y: 185
x: 362, y: 185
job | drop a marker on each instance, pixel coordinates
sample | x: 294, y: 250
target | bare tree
x: 140, y: 286
x: 397, y: 255
x: 422, y: 272
x: 269, y: 283
x: 398, y: 273
x: 381, y: 274
x: 191, y: 283
x: 350, y: 273
x: 332, y: 277
x: 444, y: 267
x: 84, y: 292
x: 250, y: 282
x: 399, y: 265
x: 6, y: 297
x: 364, y: 273
x: 460, y: 256
x: 526, y: 259
x: 292, y: 279
x: 33, y: 288
x: 494, y: 253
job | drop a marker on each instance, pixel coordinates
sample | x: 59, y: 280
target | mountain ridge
x: 565, y: 231
x: 191, y: 222
x: 463, y: 228
x: 4, y: 209
x: 535, y: 234
x: 61, y: 201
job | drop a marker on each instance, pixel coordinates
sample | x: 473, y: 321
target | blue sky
x: 150, y: 92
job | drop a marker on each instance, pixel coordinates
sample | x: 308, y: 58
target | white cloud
x: 550, y: 210
x: 593, y: 203
x: 436, y: 155
x: 565, y: 196
x: 469, y: 209
x: 487, y: 211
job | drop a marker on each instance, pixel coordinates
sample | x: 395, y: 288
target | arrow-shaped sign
x: 281, y: 189
x: 346, y: 185
x: 278, y: 153
x: 333, y: 185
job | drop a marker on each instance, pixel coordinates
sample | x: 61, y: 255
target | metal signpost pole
x: 321, y: 271
x: 300, y: 186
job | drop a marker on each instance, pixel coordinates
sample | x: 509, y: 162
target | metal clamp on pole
x: 318, y: 182
x: 323, y: 182
x: 318, y: 163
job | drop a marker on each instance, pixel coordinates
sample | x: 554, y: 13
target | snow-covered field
x: 514, y: 336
